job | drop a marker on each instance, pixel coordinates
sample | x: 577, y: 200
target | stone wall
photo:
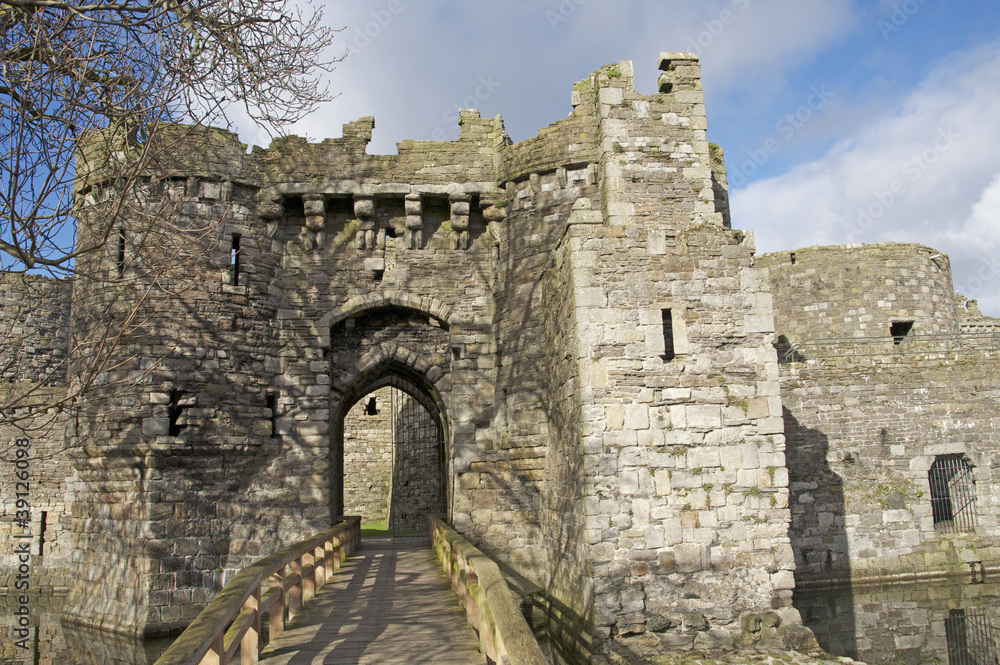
x: 392, y: 461
x: 417, y: 475
x: 170, y: 437
x: 866, y: 419
x: 34, y: 351
x: 34, y: 343
x: 948, y: 621
x: 685, y: 488
x: 571, y: 315
x: 368, y: 457
x: 972, y: 321
x: 860, y: 290
x: 862, y: 436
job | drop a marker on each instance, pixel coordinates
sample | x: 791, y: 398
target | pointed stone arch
x: 388, y: 298
x: 397, y: 369
x: 392, y: 355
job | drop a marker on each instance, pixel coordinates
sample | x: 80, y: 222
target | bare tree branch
x: 83, y: 88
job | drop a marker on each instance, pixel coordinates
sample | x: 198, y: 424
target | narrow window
x: 272, y: 406
x: 668, y: 335
x: 371, y: 408
x: 792, y: 255
x: 120, y: 256
x: 953, y: 494
x: 41, y: 534
x: 899, y: 330
x: 234, y: 259
x: 174, y: 410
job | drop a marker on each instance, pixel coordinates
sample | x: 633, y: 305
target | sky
x: 842, y: 121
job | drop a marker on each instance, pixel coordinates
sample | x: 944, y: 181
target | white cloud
x: 412, y: 62
x: 926, y: 172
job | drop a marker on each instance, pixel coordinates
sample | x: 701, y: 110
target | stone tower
x: 572, y: 313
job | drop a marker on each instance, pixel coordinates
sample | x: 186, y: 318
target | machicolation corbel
x: 414, y: 238
x: 364, y: 210
x: 460, y: 208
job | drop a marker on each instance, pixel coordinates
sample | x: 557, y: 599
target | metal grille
x: 417, y: 479
x: 953, y: 494
x: 970, y: 638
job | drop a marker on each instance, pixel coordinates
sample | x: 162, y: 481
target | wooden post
x: 250, y: 644
x: 308, y: 576
x: 295, y: 592
x: 319, y: 567
x: 276, y: 615
x: 216, y: 651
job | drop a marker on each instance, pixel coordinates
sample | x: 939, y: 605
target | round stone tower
x: 173, y: 338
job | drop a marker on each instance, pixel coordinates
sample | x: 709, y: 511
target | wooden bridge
x: 391, y: 603
x: 388, y: 603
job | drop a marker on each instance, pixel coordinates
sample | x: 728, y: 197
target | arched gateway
x: 513, y: 301
x: 388, y: 446
x: 387, y: 452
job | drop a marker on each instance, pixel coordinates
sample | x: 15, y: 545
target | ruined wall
x: 859, y: 290
x: 971, y: 321
x: 685, y: 486
x: 34, y: 350
x: 177, y: 422
x: 572, y: 312
x: 866, y: 420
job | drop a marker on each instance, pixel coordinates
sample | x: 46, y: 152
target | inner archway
x: 388, y: 453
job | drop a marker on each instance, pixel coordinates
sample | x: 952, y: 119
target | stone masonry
x: 571, y: 355
x: 868, y: 413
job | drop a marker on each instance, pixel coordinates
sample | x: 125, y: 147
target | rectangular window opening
x: 272, y: 406
x: 234, y: 259
x: 668, y: 336
x: 120, y: 256
x: 174, y: 411
x: 41, y: 533
x: 899, y: 330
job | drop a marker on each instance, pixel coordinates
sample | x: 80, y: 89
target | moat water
x: 952, y: 622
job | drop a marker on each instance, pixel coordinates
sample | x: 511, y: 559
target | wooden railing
x: 490, y: 608
x: 289, y: 578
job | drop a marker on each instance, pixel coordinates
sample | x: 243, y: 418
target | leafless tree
x: 85, y: 89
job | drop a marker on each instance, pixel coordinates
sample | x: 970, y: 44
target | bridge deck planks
x: 389, y: 604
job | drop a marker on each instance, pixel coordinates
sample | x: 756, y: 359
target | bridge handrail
x: 504, y: 634
x: 233, y: 619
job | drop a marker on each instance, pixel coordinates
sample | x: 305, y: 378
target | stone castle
x: 560, y: 344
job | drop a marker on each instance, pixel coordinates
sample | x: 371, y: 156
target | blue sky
x: 842, y: 120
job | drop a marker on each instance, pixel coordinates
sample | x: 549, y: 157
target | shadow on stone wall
x: 818, y: 532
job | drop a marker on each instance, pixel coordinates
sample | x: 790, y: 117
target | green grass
x: 382, y: 529
x: 375, y: 529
